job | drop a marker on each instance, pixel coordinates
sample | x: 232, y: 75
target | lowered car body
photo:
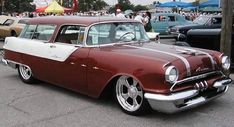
x: 101, y: 58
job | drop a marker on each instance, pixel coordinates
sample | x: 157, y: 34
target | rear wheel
x: 25, y: 74
x: 130, y: 96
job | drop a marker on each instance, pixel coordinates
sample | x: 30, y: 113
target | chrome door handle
x: 83, y: 65
x: 95, y: 68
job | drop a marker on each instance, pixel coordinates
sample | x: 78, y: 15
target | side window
x: 100, y: 34
x: 8, y: 22
x: 162, y: 18
x: 43, y: 32
x: 172, y: 18
x: 71, y: 34
x: 39, y: 32
x: 216, y: 21
x: 28, y: 31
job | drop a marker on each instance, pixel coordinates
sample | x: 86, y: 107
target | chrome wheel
x: 129, y: 93
x: 25, y: 72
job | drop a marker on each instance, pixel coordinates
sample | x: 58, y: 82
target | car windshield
x: 201, y: 20
x: 108, y: 33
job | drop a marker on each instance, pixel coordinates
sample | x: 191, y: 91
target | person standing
x: 147, y: 23
x: 119, y: 14
x: 139, y: 17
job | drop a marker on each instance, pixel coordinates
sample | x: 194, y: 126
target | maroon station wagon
x: 94, y: 55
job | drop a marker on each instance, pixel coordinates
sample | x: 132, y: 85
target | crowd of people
x: 143, y: 17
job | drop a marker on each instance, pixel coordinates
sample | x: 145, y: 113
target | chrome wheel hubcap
x: 25, y: 72
x: 129, y: 93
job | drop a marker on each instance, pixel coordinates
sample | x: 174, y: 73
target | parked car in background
x: 207, y: 39
x: 18, y: 26
x: 11, y: 26
x: 201, y: 22
x: 95, y: 56
x: 162, y: 21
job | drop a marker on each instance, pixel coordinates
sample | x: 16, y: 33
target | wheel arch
x: 107, y: 91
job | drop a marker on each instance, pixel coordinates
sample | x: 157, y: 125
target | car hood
x: 189, y: 61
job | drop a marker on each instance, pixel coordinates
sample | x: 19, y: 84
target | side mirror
x: 181, y: 37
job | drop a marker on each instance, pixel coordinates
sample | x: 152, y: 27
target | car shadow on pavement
x: 110, y: 104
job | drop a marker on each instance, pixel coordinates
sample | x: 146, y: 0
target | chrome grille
x: 197, y: 77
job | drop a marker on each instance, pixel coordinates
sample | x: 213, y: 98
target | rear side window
x: 71, y: 34
x: 8, y: 22
x: 172, y: 18
x: 38, y: 32
x: 216, y: 21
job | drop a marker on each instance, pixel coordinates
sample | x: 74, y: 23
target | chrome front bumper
x: 180, y: 101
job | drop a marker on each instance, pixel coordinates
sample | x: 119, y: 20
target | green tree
x: 99, y: 5
x: 123, y: 5
x: 140, y: 7
x: 90, y: 5
x: 19, y: 6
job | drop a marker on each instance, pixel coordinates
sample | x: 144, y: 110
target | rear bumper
x: 8, y: 63
x: 180, y: 101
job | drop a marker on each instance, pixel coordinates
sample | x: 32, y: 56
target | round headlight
x: 225, y: 60
x: 171, y: 74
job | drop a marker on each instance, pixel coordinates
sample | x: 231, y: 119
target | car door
x: 160, y: 24
x: 67, y: 63
x: 173, y: 20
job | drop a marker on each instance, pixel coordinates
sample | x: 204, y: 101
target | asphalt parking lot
x: 46, y: 105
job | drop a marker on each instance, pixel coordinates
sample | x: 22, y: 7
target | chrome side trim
x: 184, y: 60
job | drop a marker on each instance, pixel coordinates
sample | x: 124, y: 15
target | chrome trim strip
x: 184, y: 60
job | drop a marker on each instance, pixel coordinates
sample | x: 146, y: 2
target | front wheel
x: 25, y: 74
x: 130, y: 96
